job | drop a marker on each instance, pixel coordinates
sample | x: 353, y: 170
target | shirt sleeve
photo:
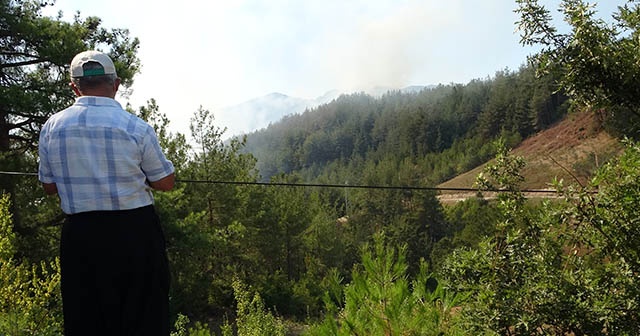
x: 154, y: 163
x: 44, y: 169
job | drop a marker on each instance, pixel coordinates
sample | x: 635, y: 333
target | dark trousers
x: 115, y: 275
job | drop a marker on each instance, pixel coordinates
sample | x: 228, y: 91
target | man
x: 103, y: 162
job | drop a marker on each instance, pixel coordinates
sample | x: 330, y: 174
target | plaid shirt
x: 100, y: 157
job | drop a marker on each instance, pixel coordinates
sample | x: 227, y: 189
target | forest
x: 258, y: 247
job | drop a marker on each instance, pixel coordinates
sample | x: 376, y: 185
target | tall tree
x: 175, y: 145
x: 35, y: 52
x: 597, y: 62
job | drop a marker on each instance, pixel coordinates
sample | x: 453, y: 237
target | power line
x: 17, y: 173
x: 320, y: 185
x: 352, y: 186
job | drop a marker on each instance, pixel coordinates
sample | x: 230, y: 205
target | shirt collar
x: 97, y: 101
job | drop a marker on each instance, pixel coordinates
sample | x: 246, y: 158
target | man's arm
x: 164, y: 184
x: 50, y: 188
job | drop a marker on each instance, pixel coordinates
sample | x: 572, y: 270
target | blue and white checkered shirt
x: 100, y: 156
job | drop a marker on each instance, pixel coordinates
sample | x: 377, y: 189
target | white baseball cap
x: 92, y: 56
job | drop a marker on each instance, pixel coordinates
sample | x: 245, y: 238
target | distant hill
x: 258, y: 113
x: 570, y: 150
x: 378, y: 91
x: 423, y: 136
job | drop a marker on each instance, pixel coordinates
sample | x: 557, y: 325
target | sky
x: 219, y: 53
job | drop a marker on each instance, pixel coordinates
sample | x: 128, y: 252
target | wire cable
x: 17, y: 173
x: 352, y: 186
x: 319, y: 185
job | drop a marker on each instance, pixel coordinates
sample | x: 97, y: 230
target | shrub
x: 252, y: 318
x: 381, y: 300
x: 30, y: 300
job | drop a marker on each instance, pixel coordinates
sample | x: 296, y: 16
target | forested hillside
x: 570, y: 150
x: 282, y: 258
x: 442, y: 131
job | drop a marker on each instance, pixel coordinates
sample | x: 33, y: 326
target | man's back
x: 99, y: 156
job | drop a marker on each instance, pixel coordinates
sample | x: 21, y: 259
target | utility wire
x: 352, y: 186
x: 17, y: 173
x: 318, y: 185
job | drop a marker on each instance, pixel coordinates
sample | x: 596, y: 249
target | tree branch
x: 19, y: 138
x: 19, y: 64
x: 17, y: 53
x: 20, y: 124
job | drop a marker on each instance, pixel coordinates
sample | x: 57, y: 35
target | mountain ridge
x: 258, y: 113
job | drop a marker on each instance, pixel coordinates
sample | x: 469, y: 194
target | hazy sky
x: 220, y: 53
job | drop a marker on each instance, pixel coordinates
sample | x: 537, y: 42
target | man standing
x: 103, y: 162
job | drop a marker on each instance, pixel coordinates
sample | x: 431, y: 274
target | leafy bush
x: 30, y: 301
x: 568, y: 269
x: 252, y: 318
x: 181, y: 329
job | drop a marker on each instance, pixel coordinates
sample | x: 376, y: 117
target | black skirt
x: 115, y: 274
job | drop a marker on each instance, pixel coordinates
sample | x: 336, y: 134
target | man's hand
x: 164, y: 184
x: 50, y: 188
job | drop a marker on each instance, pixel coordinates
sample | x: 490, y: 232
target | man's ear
x: 116, y: 84
x: 75, y: 89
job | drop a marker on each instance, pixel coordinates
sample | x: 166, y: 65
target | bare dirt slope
x: 570, y: 150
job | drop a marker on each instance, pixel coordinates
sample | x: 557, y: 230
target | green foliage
x: 36, y: 51
x: 252, y: 318
x: 208, y: 225
x: 217, y: 161
x: 607, y: 244
x: 516, y: 274
x: 180, y: 327
x: 174, y: 146
x: 588, y: 167
x: 31, y: 298
x: 381, y: 300
x: 30, y: 302
x: 470, y: 222
x: 596, y: 62
x: 7, y: 236
x: 504, y: 174
x: 564, y: 268
x: 612, y: 213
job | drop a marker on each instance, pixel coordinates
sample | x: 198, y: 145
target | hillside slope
x: 570, y: 150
